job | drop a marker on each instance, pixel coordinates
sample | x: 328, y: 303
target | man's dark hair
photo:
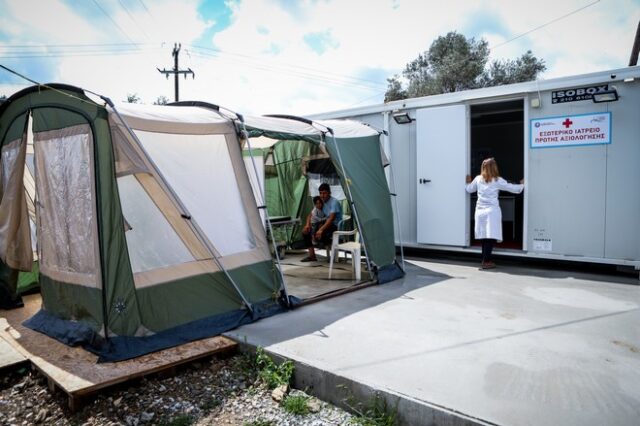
x: 316, y: 199
x: 324, y: 187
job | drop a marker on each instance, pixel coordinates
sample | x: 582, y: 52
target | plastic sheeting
x: 65, y: 208
x: 299, y: 129
x: 190, y: 163
x: 257, y: 182
x: 151, y: 240
x: 15, y: 241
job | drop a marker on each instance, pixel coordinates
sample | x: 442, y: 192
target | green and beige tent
x: 353, y: 151
x: 142, y: 219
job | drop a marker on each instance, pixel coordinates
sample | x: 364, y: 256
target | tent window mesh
x: 65, y: 207
x: 151, y: 240
x: 200, y: 170
x: 14, y: 234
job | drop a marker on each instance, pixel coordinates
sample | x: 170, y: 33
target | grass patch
x: 296, y: 404
x: 272, y: 374
x: 375, y: 413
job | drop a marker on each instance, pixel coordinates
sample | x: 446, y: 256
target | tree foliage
x: 161, y: 100
x: 133, y: 98
x: 453, y: 63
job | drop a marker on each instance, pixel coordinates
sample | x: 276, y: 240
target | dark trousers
x: 487, y: 248
x: 324, y: 241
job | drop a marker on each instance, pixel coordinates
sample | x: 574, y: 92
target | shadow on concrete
x: 320, y: 315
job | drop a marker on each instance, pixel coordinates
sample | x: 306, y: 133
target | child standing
x: 488, y: 215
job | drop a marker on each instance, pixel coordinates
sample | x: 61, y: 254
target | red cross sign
x: 567, y: 123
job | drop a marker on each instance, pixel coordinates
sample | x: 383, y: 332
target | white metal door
x: 442, y: 135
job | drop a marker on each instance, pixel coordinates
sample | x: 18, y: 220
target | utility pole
x: 176, y: 70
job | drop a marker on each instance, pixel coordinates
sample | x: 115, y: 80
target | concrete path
x: 450, y: 344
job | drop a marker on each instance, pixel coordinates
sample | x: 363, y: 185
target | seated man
x: 333, y: 213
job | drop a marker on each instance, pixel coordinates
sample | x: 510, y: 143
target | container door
x: 441, y: 135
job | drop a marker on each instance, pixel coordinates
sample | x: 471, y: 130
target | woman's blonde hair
x: 489, y: 170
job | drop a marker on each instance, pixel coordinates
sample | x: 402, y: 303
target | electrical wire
x: 23, y: 51
x: 23, y: 55
x: 519, y: 36
x: 144, y: 6
x: 545, y: 24
x: 306, y: 76
x: 218, y: 52
x: 112, y: 21
x: 34, y: 46
x: 134, y: 20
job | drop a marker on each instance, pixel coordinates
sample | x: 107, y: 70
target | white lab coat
x: 488, y: 215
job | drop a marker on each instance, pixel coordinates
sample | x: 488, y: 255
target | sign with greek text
x: 577, y: 94
x: 571, y: 130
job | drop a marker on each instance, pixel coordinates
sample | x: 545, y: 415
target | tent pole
x: 392, y: 177
x: 177, y: 200
x: 263, y: 203
x: 353, y: 205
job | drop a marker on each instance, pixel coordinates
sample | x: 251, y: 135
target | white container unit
x: 579, y: 156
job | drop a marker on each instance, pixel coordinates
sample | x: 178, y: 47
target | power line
x: 145, y: 8
x: 73, y: 53
x: 133, y: 19
x: 69, y: 54
x: 520, y: 35
x: 112, y: 21
x: 367, y: 98
x: 34, y: 46
x: 106, y: 49
x: 287, y: 68
x: 307, y: 76
x: 545, y: 24
x: 313, y: 70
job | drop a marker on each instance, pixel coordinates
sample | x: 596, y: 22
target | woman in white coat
x: 488, y: 216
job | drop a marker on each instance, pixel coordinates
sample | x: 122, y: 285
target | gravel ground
x: 216, y: 392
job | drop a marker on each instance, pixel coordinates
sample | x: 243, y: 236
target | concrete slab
x: 450, y: 344
x: 306, y: 280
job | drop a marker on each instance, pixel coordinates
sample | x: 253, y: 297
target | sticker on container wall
x: 542, y: 244
x: 571, y: 130
x: 541, y: 240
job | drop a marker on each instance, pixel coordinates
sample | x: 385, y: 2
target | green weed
x: 376, y: 412
x: 296, y: 404
x: 272, y: 374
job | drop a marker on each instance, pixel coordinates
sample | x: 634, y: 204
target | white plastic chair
x: 352, y: 247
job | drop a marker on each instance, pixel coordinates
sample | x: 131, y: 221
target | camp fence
x: 140, y: 221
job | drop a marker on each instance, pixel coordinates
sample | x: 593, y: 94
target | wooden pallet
x: 9, y: 357
x: 76, y: 371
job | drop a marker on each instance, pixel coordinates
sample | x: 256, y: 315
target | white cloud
x: 265, y: 65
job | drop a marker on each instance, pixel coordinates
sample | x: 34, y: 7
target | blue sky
x: 291, y: 56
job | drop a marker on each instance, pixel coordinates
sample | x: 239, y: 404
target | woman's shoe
x: 488, y: 265
x: 309, y: 259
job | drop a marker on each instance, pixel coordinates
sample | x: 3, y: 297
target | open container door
x: 441, y: 167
